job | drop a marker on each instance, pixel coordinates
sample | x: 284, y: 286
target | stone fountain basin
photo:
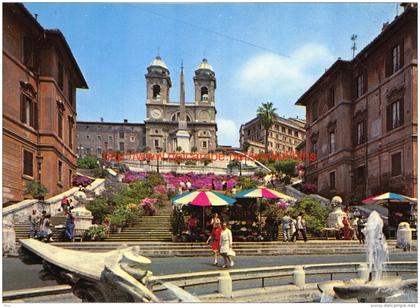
x: 361, y: 289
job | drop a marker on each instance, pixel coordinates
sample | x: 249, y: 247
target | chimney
x: 385, y: 25
x: 102, y: 119
x: 125, y: 121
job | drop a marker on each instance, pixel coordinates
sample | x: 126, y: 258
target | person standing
x: 214, y: 241
x: 233, y: 190
x: 226, y: 243
x: 215, y: 220
x: 360, y: 225
x: 292, y: 227
x: 192, y: 228
x: 69, y: 231
x: 354, y: 228
x: 285, y: 224
x: 224, y: 185
x: 46, y: 232
x: 189, y: 188
x: 300, y: 227
x: 346, y: 228
x: 33, y: 224
x: 213, y: 186
x: 269, y: 227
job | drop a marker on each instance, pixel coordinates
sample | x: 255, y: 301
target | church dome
x: 204, y: 65
x: 158, y: 62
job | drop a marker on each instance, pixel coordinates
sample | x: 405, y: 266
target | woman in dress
x: 226, y: 245
x: 214, y: 238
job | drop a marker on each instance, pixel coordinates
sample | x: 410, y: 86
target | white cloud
x: 273, y: 76
x: 227, y: 132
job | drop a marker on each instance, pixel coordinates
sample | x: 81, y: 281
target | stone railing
x: 224, y: 280
x: 20, y: 211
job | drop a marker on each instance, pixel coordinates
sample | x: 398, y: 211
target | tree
x: 87, y: 162
x: 315, y: 214
x: 267, y: 115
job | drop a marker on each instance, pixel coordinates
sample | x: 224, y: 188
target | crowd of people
x: 41, y: 228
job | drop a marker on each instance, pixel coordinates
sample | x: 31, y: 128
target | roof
x: 290, y: 121
x: 108, y: 123
x: 204, y: 65
x: 342, y: 64
x: 59, y: 35
x: 158, y: 62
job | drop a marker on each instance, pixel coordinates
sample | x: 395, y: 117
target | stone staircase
x: 148, y: 228
x: 22, y: 229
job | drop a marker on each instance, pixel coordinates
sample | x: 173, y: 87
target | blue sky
x: 114, y: 44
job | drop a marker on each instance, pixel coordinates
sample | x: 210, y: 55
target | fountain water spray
x: 377, y: 248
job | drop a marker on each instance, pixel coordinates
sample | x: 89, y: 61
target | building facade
x: 362, y: 118
x: 40, y: 78
x: 284, y: 135
x: 94, y: 138
x: 163, y: 115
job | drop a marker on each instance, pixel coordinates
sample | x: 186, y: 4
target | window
x: 248, y: 132
x: 87, y: 137
x: 28, y: 112
x: 106, y: 145
x: 204, y: 94
x: 296, y: 133
x: 204, y: 144
x: 396, y: 164
x: 28, y: 47
x: 28, y: 163
x: 332, y: 180
x: 99, y: 137
x: 60, y: 123
x: 60, y: 171
x: 289, y: 131
x: 283, y: 129
x: 71, y: 93
x: 121, y: 134
x: 360, y: 85
x: 99, y: 151
x: 156, y: 91
x: 156, y: 142
x: 70, y: 128
x: 70, y: 178
x: 361, y: 136
x: 121, y: 146
x: 360, y: 175
x: 396, y: 58
x: 132, y: 138
x: 60, y: 75
x: 395, y: 114
x: 331, y: 97
x: 277, y: 136
x: 314, y: 111
x: 332, y: 141
x: 277, y: 127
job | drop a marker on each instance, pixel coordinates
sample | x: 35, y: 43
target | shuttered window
x: 396, y: 164
x: 28, y: 163
x: 395, y: 114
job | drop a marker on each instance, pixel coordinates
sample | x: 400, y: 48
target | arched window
x: 156, y: 91
x: 204, y: 94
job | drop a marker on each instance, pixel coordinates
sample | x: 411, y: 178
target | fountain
x: 369, y: 288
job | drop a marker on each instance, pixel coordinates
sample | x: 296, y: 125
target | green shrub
x: 260, y: 173
x: 206, y: 161
x: 35, y: 189
x: 87, y: 162
x: 193, y: 149
x: 247, y: 183
x: 99, y: 172
x: 286, y: 166
x: 234, y: 164
x: 99, y: 208
x: 154, y: 179
x: 96, y: 232
x: 315, y: 214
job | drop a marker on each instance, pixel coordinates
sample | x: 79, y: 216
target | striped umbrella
x: 203, y: 198
x: 263, y: 192
x: 389, y: 197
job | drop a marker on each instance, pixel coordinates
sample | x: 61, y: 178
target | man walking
x: 300, y: 227
x: 33, y: 224
x: 285, y: 223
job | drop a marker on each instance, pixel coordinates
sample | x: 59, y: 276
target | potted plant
x: 36, y: 190
x: 96, y: 232
x: 118, y: 220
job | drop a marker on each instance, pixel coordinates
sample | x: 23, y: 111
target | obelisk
x: 182, y: 134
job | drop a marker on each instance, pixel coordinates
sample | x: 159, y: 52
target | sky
x: 271, y: 52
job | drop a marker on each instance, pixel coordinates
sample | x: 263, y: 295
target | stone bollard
x: 299, y: 277
x: 225, y: 284
x: 363, y: 271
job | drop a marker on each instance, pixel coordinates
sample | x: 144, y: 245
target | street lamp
x: 158, y: 149
x: 80, y: 150
x: 39, y: 160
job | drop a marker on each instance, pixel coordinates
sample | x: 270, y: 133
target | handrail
x: 210, y: 277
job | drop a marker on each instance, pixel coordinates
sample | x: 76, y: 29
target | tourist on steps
x: 69, y: 231
x: 300, y: 227
x: 192, y: 228
x: 226, y: 242
x: 285, y: 223
x: 46, y: 232
x: 214, y: 240
x: 33, y: 224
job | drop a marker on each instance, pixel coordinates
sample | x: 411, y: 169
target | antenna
x: 182, y: 64
x: 353, y: 48
x: 158, y: 51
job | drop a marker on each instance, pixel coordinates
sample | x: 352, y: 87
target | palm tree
x: 267, y: 114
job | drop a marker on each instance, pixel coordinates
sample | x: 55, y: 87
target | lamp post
x: 158, y: 149
x: 80, y: 150
x: 39, y: 160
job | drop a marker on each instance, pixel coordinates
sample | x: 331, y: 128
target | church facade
x: 163, y: 116
x: 169, y: 126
